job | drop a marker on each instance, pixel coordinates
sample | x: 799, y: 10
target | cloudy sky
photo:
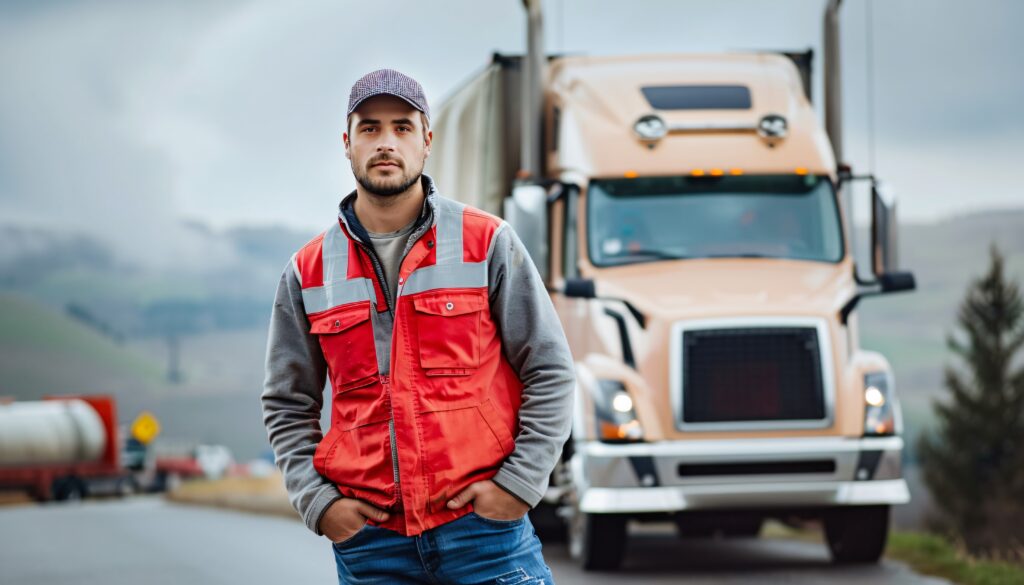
x: 122, y: 117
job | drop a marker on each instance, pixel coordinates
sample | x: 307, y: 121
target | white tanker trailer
x: 61, y: 448
x: 50, y: 432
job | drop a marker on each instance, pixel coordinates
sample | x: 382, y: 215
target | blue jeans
x: 470, y: 549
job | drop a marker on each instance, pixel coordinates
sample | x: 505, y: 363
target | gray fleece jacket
x: 532, y: 341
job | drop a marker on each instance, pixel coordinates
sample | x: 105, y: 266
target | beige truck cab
x: 688, y: 214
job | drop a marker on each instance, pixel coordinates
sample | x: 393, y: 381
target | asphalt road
x: 146, y: 540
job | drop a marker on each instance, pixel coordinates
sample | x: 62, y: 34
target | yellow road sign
x: 145, y: 428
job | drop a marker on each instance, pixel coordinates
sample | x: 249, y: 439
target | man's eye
x: 404, y: 128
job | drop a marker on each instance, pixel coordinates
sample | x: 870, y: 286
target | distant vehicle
x: 62, y: 448
x: 691, y: 216
x: 202, y: 462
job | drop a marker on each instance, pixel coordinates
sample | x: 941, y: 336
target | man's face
x: 387, y: 145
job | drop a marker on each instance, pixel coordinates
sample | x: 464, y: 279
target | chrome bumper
x: 645, y: 477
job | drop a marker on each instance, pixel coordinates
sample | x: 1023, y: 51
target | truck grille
x: 753, y: 375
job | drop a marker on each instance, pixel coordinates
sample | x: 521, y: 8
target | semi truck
x: 68, y: 447
x: 62, y: 448
x: 692, y: 219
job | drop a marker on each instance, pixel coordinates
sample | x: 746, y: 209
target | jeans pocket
x: 498, y: 522
x: 342, y: 543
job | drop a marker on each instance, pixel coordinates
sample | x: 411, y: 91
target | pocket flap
x: 450, y: 304
x: 340, y: 318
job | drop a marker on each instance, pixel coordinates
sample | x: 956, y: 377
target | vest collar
x: 347, y: 214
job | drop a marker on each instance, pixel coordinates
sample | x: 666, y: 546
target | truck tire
x: 857, y: 534
x: 550, y: 528
x: 127, y: 486
x: 68, y: 489
x: 598, y: 541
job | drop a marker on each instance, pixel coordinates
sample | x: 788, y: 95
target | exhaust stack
x: 533, y: 93
x: 833, y: 80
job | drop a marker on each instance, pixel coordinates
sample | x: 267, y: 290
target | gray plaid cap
x: 390, y: 82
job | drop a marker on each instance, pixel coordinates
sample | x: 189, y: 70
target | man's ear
x: 427, y: 139
x: 344, y: 138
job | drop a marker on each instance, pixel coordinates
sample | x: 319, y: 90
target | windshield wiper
x: 623, y: 257
x: 646, y: 252
x: 743, y: 255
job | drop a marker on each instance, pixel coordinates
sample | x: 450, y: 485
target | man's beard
x: 386, y: 189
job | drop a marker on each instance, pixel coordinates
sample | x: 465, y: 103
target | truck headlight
x: 616, y: 418
x: 881, y: 416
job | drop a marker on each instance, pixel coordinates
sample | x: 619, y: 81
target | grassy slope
x: 46, y: 352
x: 932, y: 555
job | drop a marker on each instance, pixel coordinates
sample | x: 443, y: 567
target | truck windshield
x: 657, y: 218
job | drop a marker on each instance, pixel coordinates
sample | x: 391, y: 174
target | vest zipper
x: 385, y: 380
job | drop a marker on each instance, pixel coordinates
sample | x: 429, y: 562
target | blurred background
x: 160, y: 162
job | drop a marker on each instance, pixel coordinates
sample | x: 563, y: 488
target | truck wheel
x: 127, y: 486
x: 857, y: 534
x: 547, y: 524
x: 68, y: 489
x: 598, y: 541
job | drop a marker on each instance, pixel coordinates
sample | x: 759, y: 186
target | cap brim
x: 356, y: 105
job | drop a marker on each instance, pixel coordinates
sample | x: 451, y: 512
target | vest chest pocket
x: 346, y: 337
x: 448, y: 327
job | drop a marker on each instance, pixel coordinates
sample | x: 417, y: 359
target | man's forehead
x: 385, y: 105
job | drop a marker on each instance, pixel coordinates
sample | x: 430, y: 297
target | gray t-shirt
x: 389, y: 247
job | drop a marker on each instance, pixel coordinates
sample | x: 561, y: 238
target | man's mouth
x: 385, y: 163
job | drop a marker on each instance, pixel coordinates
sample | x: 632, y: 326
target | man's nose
x: 387, y: 142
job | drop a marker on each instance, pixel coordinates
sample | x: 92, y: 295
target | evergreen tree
x: 974, y: 463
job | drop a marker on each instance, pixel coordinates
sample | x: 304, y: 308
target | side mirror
x: 580, y: 288
x: 884, y: 229
x: 897, y: 281
x: 526, y: 210
x: 889, y: 282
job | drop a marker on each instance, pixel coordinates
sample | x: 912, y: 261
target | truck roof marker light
x: 717, y: 172
x: 735, y: 172
x: 697, y: 172
x: 801, y: 171
x: 631, y: 174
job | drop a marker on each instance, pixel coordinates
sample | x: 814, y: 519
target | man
x: 451, y: 379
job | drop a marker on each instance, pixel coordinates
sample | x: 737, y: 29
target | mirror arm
x: 846, y: 176
x: 584, y: 288
x: 860, y: 281
x: 844, y: 313
x: 888, y: 284
x: 640, y: 317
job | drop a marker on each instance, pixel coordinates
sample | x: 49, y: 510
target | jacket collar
x: 347, y: 214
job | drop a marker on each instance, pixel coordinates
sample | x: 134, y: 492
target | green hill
x: 43, y: 351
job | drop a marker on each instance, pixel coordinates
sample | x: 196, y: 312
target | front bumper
x: 648, y: 477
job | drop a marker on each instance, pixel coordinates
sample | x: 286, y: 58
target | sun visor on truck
x: 698, y: 97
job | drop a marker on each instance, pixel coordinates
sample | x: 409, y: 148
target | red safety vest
x: 447, y: 413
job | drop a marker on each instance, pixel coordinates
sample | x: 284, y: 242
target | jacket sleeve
x: 292, y: 398
x: 534, y: 344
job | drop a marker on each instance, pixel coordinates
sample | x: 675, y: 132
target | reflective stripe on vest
x: 337, y: 289
x: 450, y: 270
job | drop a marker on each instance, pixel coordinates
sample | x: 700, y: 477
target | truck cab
x: 690, y: 222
